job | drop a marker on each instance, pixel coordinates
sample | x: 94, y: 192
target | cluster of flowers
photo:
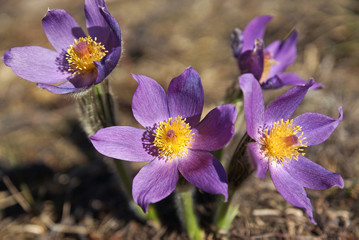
x: 174, y: 139
x: 279, y: 140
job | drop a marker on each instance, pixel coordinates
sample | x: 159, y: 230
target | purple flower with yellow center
x: 79, y: 60
x: 280, y: 142
x: 174, y: 139
x: 266, y: 64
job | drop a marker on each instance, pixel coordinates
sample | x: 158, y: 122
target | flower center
x: 173, y: 138
x: 268, y: 63
x: 83, y: 53
x: 282, y: 143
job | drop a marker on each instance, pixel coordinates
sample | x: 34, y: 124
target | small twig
x: 17, y: 195
x: 6, y: 200
x: 81, y: 230
x: 63, y: 228
x: 66, y: 208
x: 28, y: 228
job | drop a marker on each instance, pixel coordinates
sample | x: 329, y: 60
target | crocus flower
x: 79, y: 60
x: 266, y: 64
x: 280, y: 141
x: 174, y: 138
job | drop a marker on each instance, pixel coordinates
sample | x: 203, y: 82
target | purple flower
x: 79, y: 60
x: 280, y: 141
x: 174, y: 138
x: 266, y: 64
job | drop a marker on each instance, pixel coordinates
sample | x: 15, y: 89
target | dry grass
x: 48, y: 162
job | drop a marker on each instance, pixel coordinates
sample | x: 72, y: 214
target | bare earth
x: 68, y: 193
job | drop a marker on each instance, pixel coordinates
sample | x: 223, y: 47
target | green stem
x: 105, y: 102
x: 235, y: 162
x: 240, y: 169
x: 105, y: 110
x: 125, y: 179
x: 126, y: 182
x: 186, y: 210
x: 227, y: 152
x: 226, y: 212
x: 97, y: 111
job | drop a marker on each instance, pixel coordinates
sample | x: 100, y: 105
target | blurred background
x: 70, y: 195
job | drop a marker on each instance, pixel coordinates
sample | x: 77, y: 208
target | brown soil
x: 68, y: 193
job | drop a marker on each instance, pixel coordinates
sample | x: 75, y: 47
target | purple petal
x: 96, y: 24
x: 205, y: 172
x: 316, y: 127
x: 284, y: 106
x: 149, y: 103
x: 35, y: 64
x: 113, y: 44
x: 259, y: 162
x: 64, y: 88
x: 253, y: 104
x: 291, y: 79
x: 216, y: 129
x: 252, y: 61
x: 284, y: 52
x: 107, y: 64
x: 114, y: 39
x: 284, y: 79
x: 275, y: 82
x: 125, y: 143
x: 61, y: 29
x: 311, y: 175
x: 186, y: 97
x: 154, y: 182
x: 255, y: 29
x: 77, y: 83
x: 291, y: 190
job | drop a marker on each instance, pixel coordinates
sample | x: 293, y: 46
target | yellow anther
x: 283, y: 142
x: 267, y: 66
x: 82, y: 53
x: 173, y: 138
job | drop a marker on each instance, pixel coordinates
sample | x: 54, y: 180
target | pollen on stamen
x: 82, y: 54
x: 173, y: 138
x: 267, y: 66
x: 283, y: 142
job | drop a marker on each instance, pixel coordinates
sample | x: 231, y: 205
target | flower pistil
x: 281, y: 143
x: 173, y: 138
x: 82, y: 53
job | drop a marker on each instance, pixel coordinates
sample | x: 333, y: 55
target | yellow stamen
x: 173, y: 138
x: 282, y: 143
x: 268, y: 63
x: 81, y: 55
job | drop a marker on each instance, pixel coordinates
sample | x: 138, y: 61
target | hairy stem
x: 96, y: 110
x: 240, y: 169
x: 187, y: 214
